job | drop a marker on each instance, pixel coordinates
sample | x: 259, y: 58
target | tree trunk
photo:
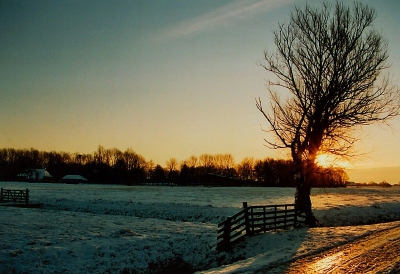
x: 303, y: 173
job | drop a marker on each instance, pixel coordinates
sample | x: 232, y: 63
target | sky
x: 165, y: 78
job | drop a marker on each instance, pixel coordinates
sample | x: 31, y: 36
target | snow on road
x: 375, y: 253
x: 100, y: 229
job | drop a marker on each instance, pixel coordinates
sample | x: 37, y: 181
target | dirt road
x: 376, y: 253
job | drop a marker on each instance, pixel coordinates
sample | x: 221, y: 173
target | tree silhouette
x: 158, y: 174
x: 246, y: 169
x: 326, y: 70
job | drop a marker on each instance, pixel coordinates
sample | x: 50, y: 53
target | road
x: 376, y: 253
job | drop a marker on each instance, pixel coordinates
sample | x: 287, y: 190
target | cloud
x: 239, y: 9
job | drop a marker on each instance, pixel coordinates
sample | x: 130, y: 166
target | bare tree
x: 246, y: 169
x: 192, y: 161
x: 99, y: 155
x: 133, y: 160
x: 172, y: 164
x: 149, y: 168
x: 326, y: 67
x: 223, y: 163
x: 115, y: 155
x: 207, y: 161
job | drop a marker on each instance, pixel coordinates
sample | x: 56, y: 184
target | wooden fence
x: 253, y: 220
x: 14, y: 196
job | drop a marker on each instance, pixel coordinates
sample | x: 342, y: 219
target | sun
x: 329, y: 160
x: 324, y: 160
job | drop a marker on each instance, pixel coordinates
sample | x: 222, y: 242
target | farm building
x: 73, y: 179
x: 38, y: 175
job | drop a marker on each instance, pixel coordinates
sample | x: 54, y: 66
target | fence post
x: 264, y: 219
x: 27, y: 196
x: 285, y: 215
x: 1, y: 196
x: 226, y: 238
x: 246, y: 218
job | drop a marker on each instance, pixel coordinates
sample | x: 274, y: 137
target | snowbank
x: 98, y: 229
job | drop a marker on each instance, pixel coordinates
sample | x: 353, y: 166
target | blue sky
x: 165, y: 78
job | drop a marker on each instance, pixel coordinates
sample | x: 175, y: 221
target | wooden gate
x: 253, y: 220
x: 14, y: 196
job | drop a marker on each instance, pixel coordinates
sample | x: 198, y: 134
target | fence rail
x: 253, y: 220
x: 14, y: 196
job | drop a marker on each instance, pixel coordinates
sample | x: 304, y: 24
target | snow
x: 111, y: 229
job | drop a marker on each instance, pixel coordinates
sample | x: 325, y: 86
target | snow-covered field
x: 144, y: 229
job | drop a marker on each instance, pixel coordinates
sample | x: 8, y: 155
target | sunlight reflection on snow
x: 326, y: 264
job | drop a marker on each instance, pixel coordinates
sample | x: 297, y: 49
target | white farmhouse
x: 33, y: 174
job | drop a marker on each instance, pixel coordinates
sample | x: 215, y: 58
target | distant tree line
x: 113, y: 166
x: 380, y: 184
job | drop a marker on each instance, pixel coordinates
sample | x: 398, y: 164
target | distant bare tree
x: 207, y: 161
x: 78, y: 158
x: 172, y: 164
x: 86, y: 158
x: 66, y: 157
x: 192, y: 161
x: 223, y: 163
x: 133, y: 160
x: 149, y: 168
x: 228, y: 161
x: 115, y: 155
x: 327, y: 66
x: 246, y: 169
x: 99, y: 155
